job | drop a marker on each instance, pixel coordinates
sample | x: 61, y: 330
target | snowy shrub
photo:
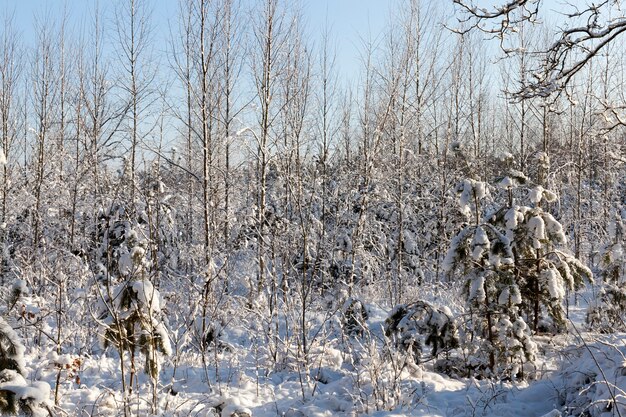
x: 496, y: 338
x: 18, y: 290
x: 131, y: 316
x: 136, y: 323
x: 606, y: 314
x: 416, y: 325
x: 11, y: 349
x: 354, y: 317
x: 593, y: 381
x: 16, y: 395
x: 470, y: 193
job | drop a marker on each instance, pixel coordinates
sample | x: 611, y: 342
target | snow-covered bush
x: 16, y: 395
x: 416, y: 325
x: 135, y: 322
x: 354, y: 317
x: 131, y: 316
x: 592, y: 382
x: 18, y: 290
x: 607, y: 313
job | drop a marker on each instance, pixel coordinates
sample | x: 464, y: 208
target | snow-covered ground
x: 572, y: 379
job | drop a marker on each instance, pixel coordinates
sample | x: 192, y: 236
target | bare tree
x: 231, y: 56
x: 327, y: 103
x: 293, y: 149
x: 208, y: 28
x: 45, y: 96
x: 587, y: 30
x: 270, y: 35
x: 182, y: 46
x: 133, y: 27
x: 64, y: 75
x: 102, y: 117
x: 10, y: 72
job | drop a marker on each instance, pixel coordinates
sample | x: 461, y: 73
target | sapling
x: 513, y: 273
x: 131, y: 315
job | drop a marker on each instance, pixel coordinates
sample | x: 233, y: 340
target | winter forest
x: 224, y: 224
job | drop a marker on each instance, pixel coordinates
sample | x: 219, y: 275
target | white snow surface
x: 148, y: 295
x: 477, y: 289
x: 535, y: 194
x: 338, y: 381
x: 553, y: 281
x: 480, y: 243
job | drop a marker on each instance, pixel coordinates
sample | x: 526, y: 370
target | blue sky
x: 349, y: 21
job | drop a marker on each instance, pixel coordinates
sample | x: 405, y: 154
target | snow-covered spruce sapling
x: 543, y: 271
x: 131, y: 315
x: 512, y: 272
x: 16, y: 395
x: 482, y: 256
x: 607, y: 314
